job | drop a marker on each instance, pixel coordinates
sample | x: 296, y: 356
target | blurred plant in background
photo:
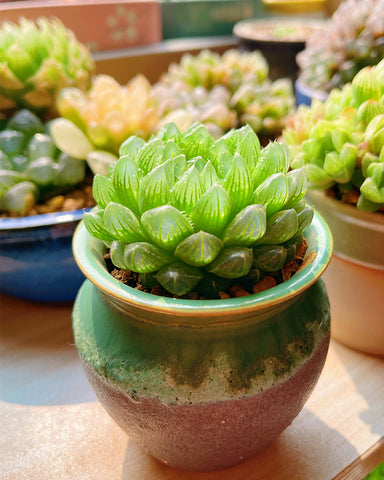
x: 224, y: 91
x: 36, y: 61
x: 340, y: 142
x: 94, y: 124
x: 354, y: 39
x: 32, y: 168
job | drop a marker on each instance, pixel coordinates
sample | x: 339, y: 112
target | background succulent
x: 31, y: 166
x: 341, y: 142
x: 37, y: 60
x: 354, y: 39
x: 235, y: 86
x: 94, y: 124
x: 188, y: 211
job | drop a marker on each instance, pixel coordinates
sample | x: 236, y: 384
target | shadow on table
x: 39, y: 361
x: 372, y: 389
x: 307, y: 449
x: 35, y: 325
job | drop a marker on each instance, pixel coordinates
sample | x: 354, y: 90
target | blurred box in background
x: 99, y: 24
x: 194, y: 18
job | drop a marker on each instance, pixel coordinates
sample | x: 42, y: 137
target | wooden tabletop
x: 52, y: 427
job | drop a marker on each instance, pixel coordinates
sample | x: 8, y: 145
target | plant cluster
x: 340, y: 142
x: 36, y: 61
x: 31, y: 166
x: 354, y: 40
x: 188, y: 212
x: 245, y: 91
x: 102, y: 118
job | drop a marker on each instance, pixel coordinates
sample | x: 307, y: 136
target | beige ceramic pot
x: 355, y: 277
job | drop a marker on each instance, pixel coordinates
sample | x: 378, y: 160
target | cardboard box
x: 194, y: 18
x: 99, y: 24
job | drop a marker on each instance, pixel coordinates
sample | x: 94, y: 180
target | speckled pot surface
x: 203, y: 385
x: 355, y: 277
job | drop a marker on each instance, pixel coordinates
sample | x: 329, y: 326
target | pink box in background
x: 99, y: 24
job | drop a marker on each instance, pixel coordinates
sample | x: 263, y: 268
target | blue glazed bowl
x: 36, y: 260
x: 305, y: 94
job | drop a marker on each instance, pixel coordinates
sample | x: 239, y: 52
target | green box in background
x: 200, y: 18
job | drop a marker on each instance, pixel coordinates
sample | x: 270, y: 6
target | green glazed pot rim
x: 88, y: 252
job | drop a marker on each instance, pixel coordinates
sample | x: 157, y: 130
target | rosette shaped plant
x: 243, y: 93
x: 32, y: 168
x: 94, y: 124
x: 341, y: 142
x: 354, y: 40
x: 188, y: 211
x: 37, y: 60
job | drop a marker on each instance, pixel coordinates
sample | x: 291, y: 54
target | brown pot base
x: 210, y: 436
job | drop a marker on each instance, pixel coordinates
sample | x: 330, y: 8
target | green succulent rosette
x: 32, y: 168
x: 224, y: 92
x: 37, y: 59
x: 340, y: 142
x: 187, y: 211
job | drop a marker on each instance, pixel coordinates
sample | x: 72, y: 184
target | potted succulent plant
x: 340, y: 143
x: 37, y: 60
x: 223, y: 92
x: 196, y: 329
x: 93, y: 124
x: 354, y: 40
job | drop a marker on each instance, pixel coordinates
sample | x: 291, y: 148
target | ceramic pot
x: 355, y: 277
x: 305, y: 94
x: 36, y: 260
x: 202, y: 385
x: 279, y: 40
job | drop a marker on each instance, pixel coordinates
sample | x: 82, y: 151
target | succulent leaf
x: 150, y: 155
x: 197, y: 141
x: 269, y: 258
x: 198, y: 249
x: 178, y: 278
x: 144, y: 257
x: 94, y: 223
x: 122, y: 223
x: 281, y: 226
x: 238, y: 184
x: 126, y: 180
x: 19, y: 198
x: 247, y: 227
x: 273, y: 192
x: 274, y: 158
x: 154, y: 189
x: 103, y: 190
x: 187, y: 190
x: 212, y: 211
x: 166, y: 226
x: 304, y: 219
x: 232, y: 262
x: 131, y: 146
x: 365, y: 86
x: 297, y: 185
x: 208, y: 176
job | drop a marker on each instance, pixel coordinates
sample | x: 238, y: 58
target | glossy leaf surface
x: 247, y: 227
x: 178, y: 278
x: 166, y: 226
x: 232, y: 262
x: 199, y: 249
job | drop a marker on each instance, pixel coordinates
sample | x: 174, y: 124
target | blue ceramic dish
x: 305, y: 94
x: 36, y: 260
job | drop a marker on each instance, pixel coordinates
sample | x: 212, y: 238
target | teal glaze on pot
x: 203, y: 384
